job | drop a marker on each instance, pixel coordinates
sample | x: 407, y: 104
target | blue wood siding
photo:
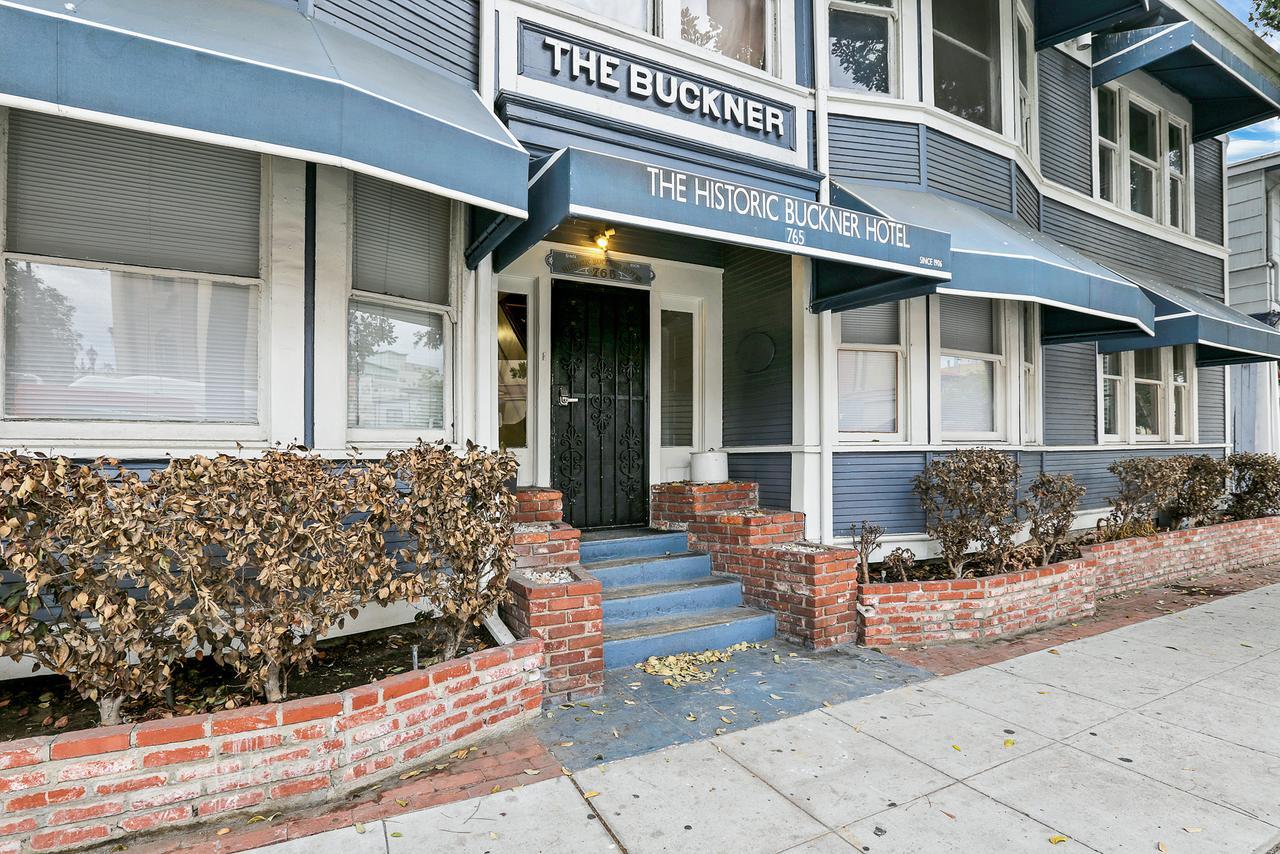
x: 757, y: 301
x: 1027, y: 198
x: 444, y: 34
x: 1212, y: 402
x: 1066, y: 121
x: 876, y: 487
x: 967, y: 171
x: 1090, y: 468
x: 1207, y: 175
x: 873, y: 150
x: 1124, y: 249
x: 771, y: 471
x: 1070, y: 394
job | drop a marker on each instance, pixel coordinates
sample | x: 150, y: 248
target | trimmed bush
x: 1051, y: 512
x: 1255, y: 486
x: 971, y: 497
x: 1145, y: 488
x: 1202, y: 484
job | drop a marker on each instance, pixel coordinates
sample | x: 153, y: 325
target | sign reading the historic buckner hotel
x: 579, y: 64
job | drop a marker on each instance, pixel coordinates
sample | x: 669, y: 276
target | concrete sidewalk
x: 1161, y: 733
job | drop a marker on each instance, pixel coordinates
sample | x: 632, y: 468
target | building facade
x: 832, y: 239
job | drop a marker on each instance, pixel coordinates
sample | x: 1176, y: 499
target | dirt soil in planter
x: 935, y: 569
x: 44, y: 705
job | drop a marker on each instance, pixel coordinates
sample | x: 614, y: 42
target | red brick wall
x: 567, y: 617
x: 672, y: 506
x: 811, y: 590
x: 96, y: 785
x: 542, y: 538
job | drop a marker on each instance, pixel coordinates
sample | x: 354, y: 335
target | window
x: 398, y: 323
x: 738, y: 29
x: 1025, y: 57
x: 131, y: 275
x: 1108, y: 144
x: 971, y: 366
x: 1030, y: 373
x: 631, y: 13
x: 677, y: 379
x: 1144, y: 154
x: 1112, y: 395
x: 869, y: 370
x: 1177, y: 164
x: 1181, y: 385
x: 1148, y: 395
x: 966, y: 60
x: 1145, y: 148
x: 513, y: 370
x: 862, y: 40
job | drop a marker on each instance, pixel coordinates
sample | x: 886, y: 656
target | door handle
x: 565, y: 400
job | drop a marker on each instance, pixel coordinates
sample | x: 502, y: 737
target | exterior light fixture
x: 602, y: 239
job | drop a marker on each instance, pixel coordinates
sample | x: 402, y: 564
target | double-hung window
x: 966, y: 60
x: 1176, y: 162
x: 132, y: 288
x: 1113, y: 401
x: 1144, y: 160
x: 1108, y: 144
x: 1025, y: 59
x: 1147, y: 395
x: 862, y: 36
x: 972, y: 367
x: 870, y: 367
x: 399, y: 317
x: 739, y: 29
x: 1030, y: 392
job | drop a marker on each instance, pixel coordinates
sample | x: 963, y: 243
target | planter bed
x: 91, y: 786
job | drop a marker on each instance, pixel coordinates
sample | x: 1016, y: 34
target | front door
x: 599, y: 403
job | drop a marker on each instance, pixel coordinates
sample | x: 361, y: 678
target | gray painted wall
x: 1211, y: 387
x: 1070, y: 394
x: 771, y: 471
x: 1027, y: 198
x: 874, y: 150
x: 968, y: 172
x: 1248, y: 235
x: 444, y: 34
x: 757, y: 305
x: 1207, y: 175
x: 1066, y: 121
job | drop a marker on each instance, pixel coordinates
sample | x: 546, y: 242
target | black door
x: 599, y: 403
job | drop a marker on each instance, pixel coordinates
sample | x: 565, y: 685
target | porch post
x: 810, y: 475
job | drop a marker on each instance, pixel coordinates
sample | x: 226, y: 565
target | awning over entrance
x: 1226, y: 92
x: 1222, y: 335
x: 1003, y: 258
x: 578, y: 184
x: 255, y: 74
x: 1057, y: 21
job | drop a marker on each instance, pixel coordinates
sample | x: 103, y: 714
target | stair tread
x: 679, y: 622
x: 658, y: 588
x: 590, y: 565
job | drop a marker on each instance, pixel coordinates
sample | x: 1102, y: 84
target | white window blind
x: 967, y: 323
x: 96, y: 193
x: 400, y: 241
x: 875, y: 324
x: 868, y: 392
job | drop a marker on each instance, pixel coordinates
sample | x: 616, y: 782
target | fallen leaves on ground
x: 1058, y: 839
x: 686, y: 667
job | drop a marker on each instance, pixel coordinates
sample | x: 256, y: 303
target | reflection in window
x: 738, y: 29
x: 860, y: 35
x: 677, y: 379
x: 96, y: 344
x: 966, y: 60
x: 868, y: 369
x: 513, y: 370
x: 971, y: 354
x: 1112, y: 382
x: 1108, y: 143
x: 1147, y: 398
x: 632, y: 13
x: 395, y: 368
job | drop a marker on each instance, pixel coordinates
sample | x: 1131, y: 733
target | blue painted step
x: 631, y: 642
x: 628, y: 571
x: 643, y: 545
x: 647, y: 601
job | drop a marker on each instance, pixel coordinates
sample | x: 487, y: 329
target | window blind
x: 967, y: 323
x: 875, y: 324
x: 96, y: 193
x: 400, y: 241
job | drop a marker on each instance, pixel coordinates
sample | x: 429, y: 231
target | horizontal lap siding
x: 968, y: 172
x: 1127, y: 250
x: 444, y: 34
x: 771, y: 471
x: 1070, y: 394
x: 874, y: 150
x: 1211, y: 393
x: 1090, y: 468
x: 876, y: 488
x: 1207, y: 175
x: 1028, y: 199
x: 1066, y: 121
x: 757, y: 302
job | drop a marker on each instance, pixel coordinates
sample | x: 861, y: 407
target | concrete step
x: 646, y: 544
x: 667, y: 569
x: 630, y: 642
x: 648, y: 601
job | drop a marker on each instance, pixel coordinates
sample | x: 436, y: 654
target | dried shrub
x: 1146, y: 486
x: 971, y: 497
x: 900, y: 561
x: 1051, y: 512
x: 1202, y: 484
x: 1255, y: 486
x: 868, y: 537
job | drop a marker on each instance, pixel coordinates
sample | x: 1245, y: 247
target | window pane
x: 736, y: 28
x: 968, y: 395
x: 1024, y: 50
x: 1179, y: 364
x: 1112, y: 364
x: 1142, y: 189
x: 968, y: 323
x: 97, y: 344
x: 1175, y: 202
x: 1180, y: 411
x: 1146, y: 364
x: 1177, y: 154
x: 677, y: 379
x: 868, y: 391
x: 859, y: 51
x: 1107, y: 124
x: 1111, y: 407
x: 1106, y: 173
x: 1146, y: 409
x: 395, y: 368
x: 1029, y: 343
x: 1143, y: 137
x: 966, y: 60
x: 513, y: 371
x: 875, y: 324
x: 632, y: 13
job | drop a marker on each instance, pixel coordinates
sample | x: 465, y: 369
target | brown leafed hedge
x: 114, y: 580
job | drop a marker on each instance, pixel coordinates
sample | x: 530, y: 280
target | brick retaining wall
x: 567, y: 616
x: 89, y: 787
x: 673, y: 505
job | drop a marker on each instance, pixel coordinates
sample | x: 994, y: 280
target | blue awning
x: 1057, y: 21
x: 1222, y: 335
x: 613, y: 191
x: 255, y: 74
x: 1004, y: 258
x: 1225, y: 91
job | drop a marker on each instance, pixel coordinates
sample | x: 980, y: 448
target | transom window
x: 862, y: 39
x: 1147, y: 395
x: 870, y: 363
x: 1143, y: 159
x: 972, y: 363
x: 966, y: 60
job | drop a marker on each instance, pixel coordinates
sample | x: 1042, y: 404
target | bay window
x: 1030, y: 373
x: 870, y: 366
x: 132, y: 289
x: 1025, y: 60
x: 971, y: 366
x: 1177, y: 166
x: 1147, y: 395
x: 739, y: 29
x: 399, y: 321
x: 1143, y: 161
x: 966, y: 60
x: 862, y: 40
x: 1113, y: 409
x: 1108, y: 143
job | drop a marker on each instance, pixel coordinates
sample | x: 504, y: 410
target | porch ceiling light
x: 602, y: 239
